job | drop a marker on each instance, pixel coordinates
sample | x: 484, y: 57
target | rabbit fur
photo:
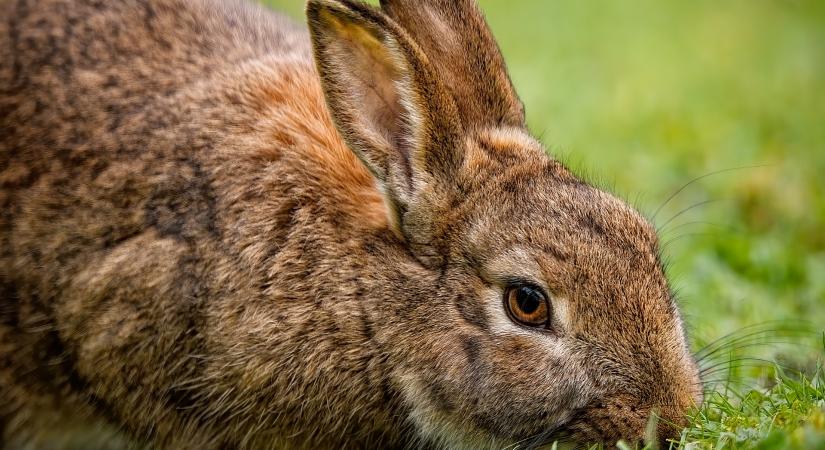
x: 219, y: 230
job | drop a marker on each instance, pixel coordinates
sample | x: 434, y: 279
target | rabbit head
x: 551, y: 316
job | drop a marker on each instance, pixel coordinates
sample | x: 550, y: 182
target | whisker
x: 743, y: 363
x: 537, y: 440
x: 728, y: 335
x: 542, y: 439
x: 689, y: 208
x: 515, y: 445
x: 701, y: 177
x: 754, y: 343
x: 686, y: 235
x: 733, y: 361
x: 758, y: 339
x: 749, y: 330
x: 755, y: 340
x: 699, y: 222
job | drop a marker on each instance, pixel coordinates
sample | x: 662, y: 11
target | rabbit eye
x: 527, y: 305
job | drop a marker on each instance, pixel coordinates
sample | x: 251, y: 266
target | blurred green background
x: 643, y: 96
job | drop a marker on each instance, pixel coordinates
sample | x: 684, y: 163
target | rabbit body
x: 194, y: 253
x: 180, y: 223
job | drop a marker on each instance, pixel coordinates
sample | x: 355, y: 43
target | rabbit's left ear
x: 460, y: 45
x: 387, y: 102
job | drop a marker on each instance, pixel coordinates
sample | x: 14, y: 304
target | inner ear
x: 390, y: 107
x: 368, y: 84
x: 375, y: 76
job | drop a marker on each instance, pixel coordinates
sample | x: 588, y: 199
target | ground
x: 644, y: 97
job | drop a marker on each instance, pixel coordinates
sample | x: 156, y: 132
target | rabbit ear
x: 458, y: 41
x: 387, y: 104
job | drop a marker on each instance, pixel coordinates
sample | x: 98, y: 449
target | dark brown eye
x: 527, y: 305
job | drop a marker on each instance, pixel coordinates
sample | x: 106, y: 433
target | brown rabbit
x: 218, y: 231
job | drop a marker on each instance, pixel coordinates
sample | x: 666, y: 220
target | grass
x: 788, y: 415
x: 645, y: 96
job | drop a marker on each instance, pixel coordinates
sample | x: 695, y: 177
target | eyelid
x: 510, y: 282
x: 512, y: 267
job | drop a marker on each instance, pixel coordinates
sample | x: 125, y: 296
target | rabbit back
x: 166, y: 167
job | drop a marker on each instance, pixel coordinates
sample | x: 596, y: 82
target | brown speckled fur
x: 192, y: 256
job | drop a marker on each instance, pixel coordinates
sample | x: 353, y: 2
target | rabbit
x: 222, y: 230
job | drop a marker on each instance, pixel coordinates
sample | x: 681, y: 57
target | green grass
x: 643, y: 96
x: 788, y: 415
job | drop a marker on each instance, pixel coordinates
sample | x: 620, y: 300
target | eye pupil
x: 527, y: 300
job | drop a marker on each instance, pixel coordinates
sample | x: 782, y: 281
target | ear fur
x: 458, y: 41
x: 386, y: 102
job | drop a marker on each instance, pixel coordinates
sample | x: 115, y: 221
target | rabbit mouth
x: 576, y: 434
x: 584, y: 427
x: 558, y: 436
x: 602, y: 423
x: 490, y: 429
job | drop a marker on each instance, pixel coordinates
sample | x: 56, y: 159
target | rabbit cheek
x: 607, y: 421
x: 519, y: 407
x: 511, y: 388
x: 477, y: 410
